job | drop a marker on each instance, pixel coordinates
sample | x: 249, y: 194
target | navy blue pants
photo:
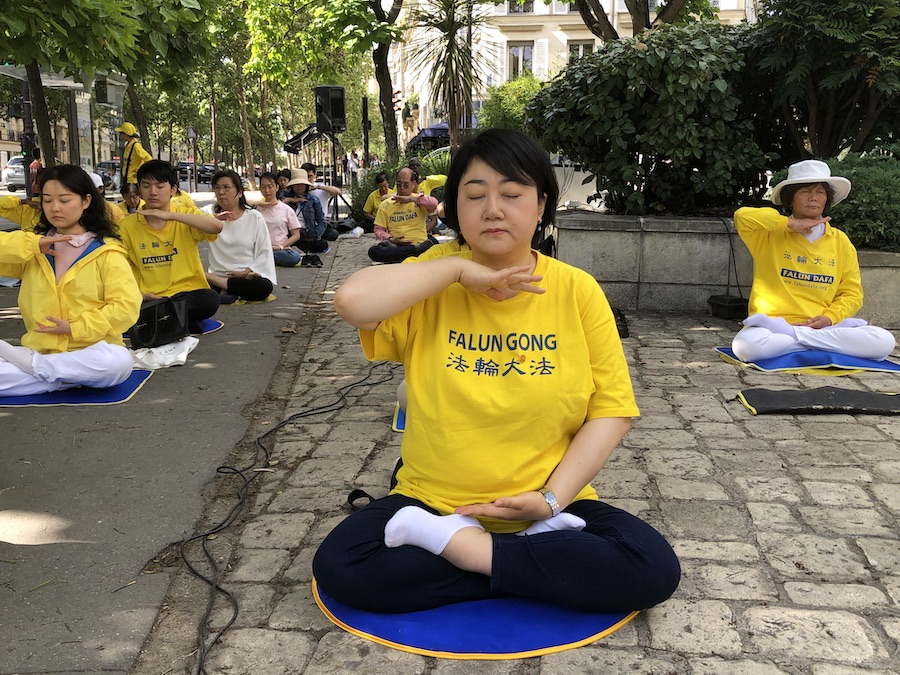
x: 617, y: 563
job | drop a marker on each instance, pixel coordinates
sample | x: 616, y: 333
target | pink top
x: 280, y: 219
x: 67, y: 252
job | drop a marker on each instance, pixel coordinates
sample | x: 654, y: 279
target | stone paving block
x: 774, y: 518
x: 322, y: 528
x: 801, y: 634
x: 718, y: 430
x: 702, y: 627
x: 832, y: 669
x: 636, y: 507
x: 838, y: 520
x: 835, y: 474
x: 873, y: 452
x: 254, y: 651
x: 770, y: 488
x: 650, y: 404
x: 586, y: 660
x: 810, y: 557
x: 819, y: 453
x: 837, y: 494
x: 816, y: 429
x: 710, y: 521
x: 300, y: 569
x: 338, y: 471
x: 881, y: 553
x: 746, y: 460
x: 725, y: 582
x: 888, y: 494
x: 623, y: 483
x: 481, y: 667
x: 728, y: 444
x: 259, y: 564
x: 892, y: 628
x: 666, y: 380
x: 277, y: 530
x: 892, y: 585
x: 307, y: 499
x: 297, y: 610
x: 254, y: 606
x: 891, y: 429
x: 706, y: 550
x: 773, y: 428
x: 710, y: 666
x: 680, y: 488
x: 341, y: 652
x: 655, y: 421
x: 652, y: 439
x: 681, y: 463
x: 849, y: 596
x: 888, y: 471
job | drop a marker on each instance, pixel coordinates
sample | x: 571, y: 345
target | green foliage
x: 656, y: 119
x: 505, y: 106
x: 871, y: 214
x: 834, y: 68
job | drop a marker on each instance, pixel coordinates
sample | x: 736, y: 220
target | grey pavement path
x: 786, y: 525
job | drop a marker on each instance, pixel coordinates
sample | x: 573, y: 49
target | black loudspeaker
x: 330, y: 110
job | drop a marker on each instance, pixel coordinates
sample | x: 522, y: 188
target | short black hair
x: 158, y: 171
x: 511, y: 153
x: 788, y: 192
x: 306, y: 166
x: 129, y: 189
x: 380, y: 177
x: 284, y: 173
x: 268, y: 174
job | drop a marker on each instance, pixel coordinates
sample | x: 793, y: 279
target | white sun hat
x: 813, y: 171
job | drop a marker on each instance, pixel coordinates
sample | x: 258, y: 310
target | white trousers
x: 101, y: 365
x: 754, y: 343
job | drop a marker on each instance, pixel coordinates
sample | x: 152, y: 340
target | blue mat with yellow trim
x: 501, y: 628
x: 398, y: 423
x: 83, y: 395
x: 811, y: 362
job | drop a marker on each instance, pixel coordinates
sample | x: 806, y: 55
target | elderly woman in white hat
x: 806, y: 283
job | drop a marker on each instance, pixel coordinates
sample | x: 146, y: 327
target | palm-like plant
x: 444, y: 45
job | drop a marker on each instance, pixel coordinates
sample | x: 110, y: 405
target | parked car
x: 205, y: 172
x: 185, y: 169
x: 110, y: 182
x: 14, y: 173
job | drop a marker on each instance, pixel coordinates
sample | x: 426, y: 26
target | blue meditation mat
x: 83, y: 395
x: 210, y: 326
x: 501, y: 628
x: 812, y: 362
x: 399, y: 421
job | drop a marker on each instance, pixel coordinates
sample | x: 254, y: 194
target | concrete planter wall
x: 675, y: 264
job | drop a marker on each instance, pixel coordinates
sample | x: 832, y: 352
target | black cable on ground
x: 261, y: 452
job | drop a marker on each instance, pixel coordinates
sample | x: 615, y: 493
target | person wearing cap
x: 134, y: 154
x: 114, y: 214
x: 298, y: 195
x: 806, y: 282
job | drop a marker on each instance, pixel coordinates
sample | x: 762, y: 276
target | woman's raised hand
x: 44, y: 243
x: 499, y: 284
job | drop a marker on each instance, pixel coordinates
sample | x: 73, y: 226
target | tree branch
x: 670, y: 12
x: 594, y: 17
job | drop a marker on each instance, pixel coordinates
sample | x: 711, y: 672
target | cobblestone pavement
x: 786, y: 525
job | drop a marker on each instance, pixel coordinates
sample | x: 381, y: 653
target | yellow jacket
x: 133, y: 157
x: 23, y: 215
x: 98, y: 295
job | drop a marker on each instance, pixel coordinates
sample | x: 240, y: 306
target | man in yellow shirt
x: 376, y: 196
x: 134, y: 156
x: 401, y: 221
x: 161, y: 239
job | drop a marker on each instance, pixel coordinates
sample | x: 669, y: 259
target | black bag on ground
x: 161, y: 321
x: 330, y: 234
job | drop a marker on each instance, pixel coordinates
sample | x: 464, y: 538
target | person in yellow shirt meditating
x: 519, y: 393
x: 806, y: 283
x: 162, y: 238
x: 401, y: 222
x: 373, y: 201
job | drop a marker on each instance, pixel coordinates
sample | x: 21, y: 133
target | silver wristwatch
x: 550, y: 498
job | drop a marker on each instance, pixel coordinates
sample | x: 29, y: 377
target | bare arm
x: 374, y: 294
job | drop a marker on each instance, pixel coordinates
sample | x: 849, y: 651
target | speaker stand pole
x: 338, y: 182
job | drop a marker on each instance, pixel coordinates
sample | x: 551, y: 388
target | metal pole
x: 366, y: 125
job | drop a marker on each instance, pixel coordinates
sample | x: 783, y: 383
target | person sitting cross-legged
x: 162, y: 238
x: 284, y: 228
x: 401, y: 221
x: 241, y: 265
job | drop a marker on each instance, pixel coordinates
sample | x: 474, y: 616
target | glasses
x: 227, y: 187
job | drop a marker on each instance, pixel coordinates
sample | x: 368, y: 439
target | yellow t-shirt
x: 432, y: 183
x: 165, y: 262
x: 373, y: 201
x: 439, y: 251
x: 403, y: 220
x: 497, y: 390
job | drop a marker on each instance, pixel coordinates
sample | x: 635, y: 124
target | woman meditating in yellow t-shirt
x: 519, y: 393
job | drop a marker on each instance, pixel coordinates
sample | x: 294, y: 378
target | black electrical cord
x: 263, y: 452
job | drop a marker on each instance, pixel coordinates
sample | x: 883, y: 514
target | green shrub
x: 657, y: 119
x: 505, y: 106
x: 871, y: 214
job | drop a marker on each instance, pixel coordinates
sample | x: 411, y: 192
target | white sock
x: 564, y: 521
x: 773, y: 323
x: 20, y: 357
x: 417, y: 527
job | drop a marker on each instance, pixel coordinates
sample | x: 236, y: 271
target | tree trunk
x: 245, y: 129
x: 215, y: 135
x: 41, y: 116
x: 137, y: 109
x: 385, y: 101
